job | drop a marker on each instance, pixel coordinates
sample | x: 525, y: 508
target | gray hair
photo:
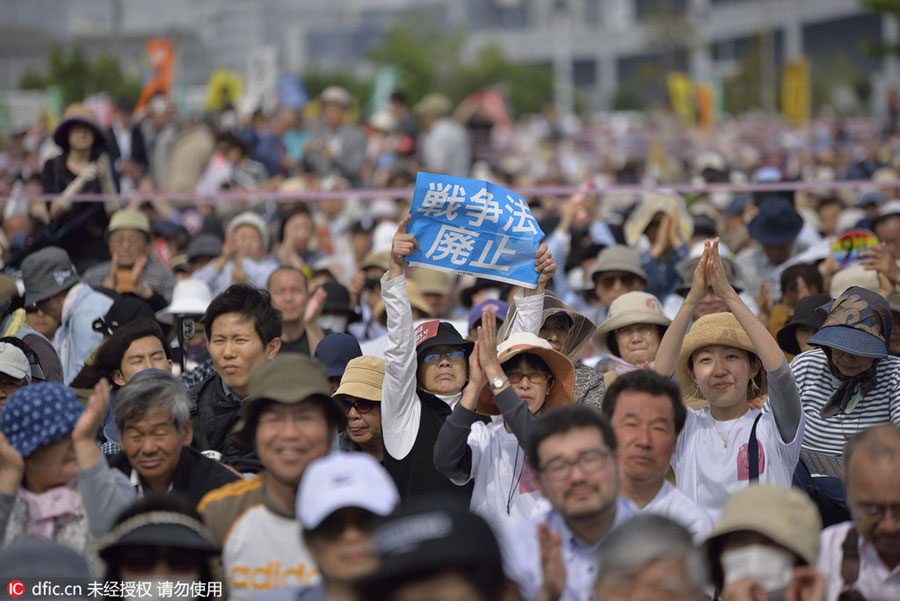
x: 151, y: 390
x: 880, y: 443
x: 647, y: 538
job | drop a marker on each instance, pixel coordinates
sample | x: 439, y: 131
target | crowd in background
x: 701, y: 396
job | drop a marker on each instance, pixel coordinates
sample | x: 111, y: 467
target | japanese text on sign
x: 473, y: 227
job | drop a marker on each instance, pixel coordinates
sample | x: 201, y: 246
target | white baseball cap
x: 343, y: 480
x: 13, y: 362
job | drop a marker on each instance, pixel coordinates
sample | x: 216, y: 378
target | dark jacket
x: 415, y: 474
x: 214, y: 416
x: 195, y: 475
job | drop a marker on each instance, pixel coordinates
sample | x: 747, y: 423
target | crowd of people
x: 232, y: 398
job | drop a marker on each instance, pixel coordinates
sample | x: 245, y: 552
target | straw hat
x: 563, y: 371
x: 629, y: 309
x: 650, y: 205
x: 714, y: 329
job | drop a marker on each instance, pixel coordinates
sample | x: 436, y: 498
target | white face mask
x: 773, y: 568
x: 334, y: 323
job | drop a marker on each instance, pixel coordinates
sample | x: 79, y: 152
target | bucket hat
x: 431, y: 281
x: 343, y: 480
x: 618, y: 258
x: 859, y: 323
x: 336, y: 95
x: 189, y: 297
x: 853, y: 275
x: 46, y: 273
x: 129, y: 219
x: 363, y: 378
x: 39, y: 414
x: 777, y: 223
x: 805, y: 314
x: 714, y: 329
x: 82, y: 115
x: 254, y: 220
x: 560, y: 393
x: 629, y: 309
x: 784, y: 515
x: 289, y: 378
x: 888, y: 209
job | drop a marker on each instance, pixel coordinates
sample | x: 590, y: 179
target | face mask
x: 333, y: 323
x: 773, y: 568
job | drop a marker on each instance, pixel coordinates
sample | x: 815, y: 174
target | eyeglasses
x: 362, y: 406
x: 450, y: 355
x: 589, y: 462
x: 535, y: 377
x: 875, y: 511
x: 142, y: 558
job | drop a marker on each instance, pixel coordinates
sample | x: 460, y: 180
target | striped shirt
x: 829, y: 435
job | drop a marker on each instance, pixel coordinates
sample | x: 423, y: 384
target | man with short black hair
x: 242, y: 330
x: 289, y: 419
x: 553, y: 556
x: 290, y: 295
x: 647, y: 414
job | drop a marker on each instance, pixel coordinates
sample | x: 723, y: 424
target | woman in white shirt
x: 727, y: 359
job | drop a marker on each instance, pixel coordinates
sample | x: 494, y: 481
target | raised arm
x: 670, y: 345
x: 400, y: 408
x: 766, y: 347
x: 452, y: 454
x: 527, y: 310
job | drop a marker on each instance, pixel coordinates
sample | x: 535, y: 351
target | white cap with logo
x: 13, y: 362
x: 343, y: 480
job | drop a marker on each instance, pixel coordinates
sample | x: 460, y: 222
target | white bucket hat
x: 629, y: 309
x: 190, y: 297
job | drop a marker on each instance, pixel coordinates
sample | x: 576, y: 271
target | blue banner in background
x: 473, y: 227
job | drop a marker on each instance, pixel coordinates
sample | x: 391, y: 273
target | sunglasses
x: 452, y: 356
x: 143, y: 558
x: 362, y: 406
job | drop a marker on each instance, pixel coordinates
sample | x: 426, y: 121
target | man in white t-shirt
x: 647, y: 414
x: 872, y: 480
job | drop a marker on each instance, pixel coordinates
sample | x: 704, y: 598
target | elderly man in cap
x: 132, y: 269
x: 863, y: 555
x: 776, y: 230
x: 336, y: 147
x: 52, y: 283
x: 290, y: 419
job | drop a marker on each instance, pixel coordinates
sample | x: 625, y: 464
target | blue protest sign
x: 473, y: 227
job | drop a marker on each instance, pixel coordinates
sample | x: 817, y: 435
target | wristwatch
x: 498, y: 383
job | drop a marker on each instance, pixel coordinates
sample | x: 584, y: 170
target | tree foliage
x: 78, y: 76
x: 430, y: 59
x: 886, y: 7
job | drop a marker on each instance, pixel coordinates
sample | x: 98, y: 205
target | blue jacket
x: 76, y: 339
